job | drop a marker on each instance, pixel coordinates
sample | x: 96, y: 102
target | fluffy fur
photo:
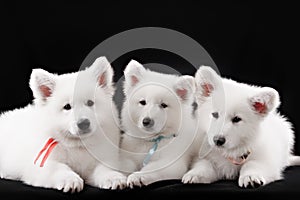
x: 167, y: 101
x: 82, y: 154
x: 242, y: 119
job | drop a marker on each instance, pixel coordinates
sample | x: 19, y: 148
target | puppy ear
x: 265, y: 101
x: 207, y: 80
x: 42, y: 84
x: 103, y: 72
x: 185, y: 87
x: 133, y: 74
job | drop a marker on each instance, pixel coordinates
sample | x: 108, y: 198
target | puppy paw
x: 70, y: 182
x: 138, y: 179
x: 196, y: 178
x: 112, y: 180
x: 252, y: 181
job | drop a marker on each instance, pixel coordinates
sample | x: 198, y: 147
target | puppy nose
x: 148, y: 122
x: 219, y: 140
x: 83, y: 124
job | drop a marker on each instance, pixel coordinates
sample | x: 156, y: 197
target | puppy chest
x: 225, y: 169
x: 78, y: 159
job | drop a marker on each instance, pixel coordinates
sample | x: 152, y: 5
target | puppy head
x: 154, y: 101
x: 75, y: 102
x: 236, y: 121
x: 244, y: 111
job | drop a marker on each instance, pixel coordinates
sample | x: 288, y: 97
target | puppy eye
x: 215, y: 115
x: 142, y: 102
x: 67, y: 107
x: 163, y: 105
x: 236, y: 119
x: 89, y: 103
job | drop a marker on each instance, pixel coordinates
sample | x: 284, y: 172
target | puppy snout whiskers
x: 83, y: 124
x: 148, y: 122
x: 219, y: 140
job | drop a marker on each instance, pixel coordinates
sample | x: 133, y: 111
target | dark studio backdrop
x: 252, y: 42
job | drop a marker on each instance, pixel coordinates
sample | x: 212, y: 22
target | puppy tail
x: 294, y: 160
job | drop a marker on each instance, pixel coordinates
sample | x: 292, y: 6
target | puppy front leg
x: 107, y: 178
x: 53, y: 175
x: 156, y: 171
x: 255, y: 173
x: 202, y: 172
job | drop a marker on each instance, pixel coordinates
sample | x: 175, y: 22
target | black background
x: 256, y: 42
x: 252, y: 42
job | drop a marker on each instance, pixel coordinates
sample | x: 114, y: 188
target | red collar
x: 240, y: 160
x: 49, y: 146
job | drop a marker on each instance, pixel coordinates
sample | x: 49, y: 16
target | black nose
x: 219, y: 140
x: 148, y: 122
x: 83, y: 124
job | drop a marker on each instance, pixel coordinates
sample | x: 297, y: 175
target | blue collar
x: 154, y: 147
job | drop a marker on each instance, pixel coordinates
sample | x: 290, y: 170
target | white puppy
x: 247, y: 137
x: 159, y: 124
x: 68, y: 136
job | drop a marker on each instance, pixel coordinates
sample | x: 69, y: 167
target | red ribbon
x: 49, y: 146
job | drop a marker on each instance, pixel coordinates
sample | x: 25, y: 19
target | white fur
x: 170, y: 161
x: 79, y: 156
x: 267, y: 134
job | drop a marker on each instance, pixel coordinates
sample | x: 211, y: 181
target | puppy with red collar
x: 69, y: 135
x: 245, y: 136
